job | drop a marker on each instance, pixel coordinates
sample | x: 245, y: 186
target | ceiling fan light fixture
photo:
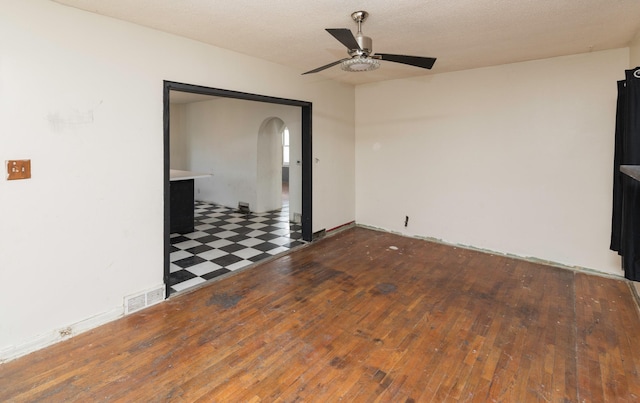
x: 360, y: 50
x: 358, y: 64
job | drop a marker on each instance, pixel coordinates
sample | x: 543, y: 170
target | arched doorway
x: 269, y: 164
x: 279, y: 174
x: 269, y: 139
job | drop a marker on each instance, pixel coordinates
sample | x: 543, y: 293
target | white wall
x: 515, y: 158
x: 178, y: 139
x: 221, y: 136
x: 81, y: 96
x: 634, y: 52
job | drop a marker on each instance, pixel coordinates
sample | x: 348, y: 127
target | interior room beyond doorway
x: 251, y: 205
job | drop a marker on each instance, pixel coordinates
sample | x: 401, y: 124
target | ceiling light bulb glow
x: 358, y: 64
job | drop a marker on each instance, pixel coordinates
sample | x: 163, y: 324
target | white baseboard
x: 57, y: 335
x: 131, y: 304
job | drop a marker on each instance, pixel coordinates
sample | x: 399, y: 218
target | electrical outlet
x: 66, y: 332
x: 18, y: 169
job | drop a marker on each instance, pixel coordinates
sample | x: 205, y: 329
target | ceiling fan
x: 361, y: 54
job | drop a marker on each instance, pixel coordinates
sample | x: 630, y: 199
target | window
x: 285, y: 147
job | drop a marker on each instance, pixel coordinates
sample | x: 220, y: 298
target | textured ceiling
x: 462, y: 34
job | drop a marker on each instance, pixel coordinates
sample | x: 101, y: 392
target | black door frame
x: 306, y: 154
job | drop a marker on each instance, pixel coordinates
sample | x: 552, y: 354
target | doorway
x: 303, y: 160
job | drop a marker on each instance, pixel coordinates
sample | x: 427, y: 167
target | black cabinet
x: 181, y: 207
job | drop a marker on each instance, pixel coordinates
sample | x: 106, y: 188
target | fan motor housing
x: 366, y: 46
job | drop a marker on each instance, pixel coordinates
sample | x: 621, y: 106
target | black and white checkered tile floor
x: 225, y: 240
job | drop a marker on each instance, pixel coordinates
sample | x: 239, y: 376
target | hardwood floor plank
x: 606, y: 352
x: 359, y: 316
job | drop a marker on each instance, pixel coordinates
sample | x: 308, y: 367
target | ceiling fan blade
x: 424, y: 62
x: 326, y: 66
x: 345, y: 36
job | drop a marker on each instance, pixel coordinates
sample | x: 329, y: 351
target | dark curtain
x: 625, y: 223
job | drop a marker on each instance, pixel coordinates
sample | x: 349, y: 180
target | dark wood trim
x: 342, y: 227
x: 307, y: 155
x: 166, y: 188
x: 307, y: 168
x: 218, y: 92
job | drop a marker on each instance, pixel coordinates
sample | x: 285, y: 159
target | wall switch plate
x: 18, y: 169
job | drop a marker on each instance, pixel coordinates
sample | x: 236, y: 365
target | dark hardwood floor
x: 359, y: 316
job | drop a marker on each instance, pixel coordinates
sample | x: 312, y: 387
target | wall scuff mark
x: 72, y: 119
